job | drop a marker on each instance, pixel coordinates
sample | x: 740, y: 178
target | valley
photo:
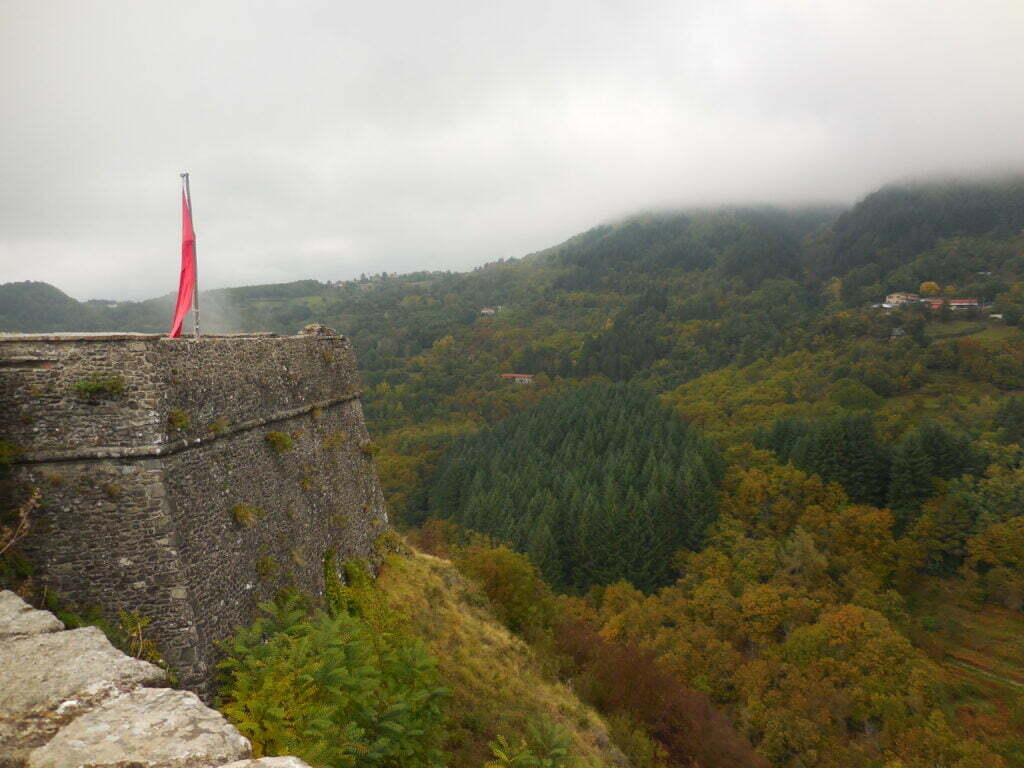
x: 788, y: 518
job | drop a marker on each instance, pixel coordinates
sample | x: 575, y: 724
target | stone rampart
x: 188, y: 479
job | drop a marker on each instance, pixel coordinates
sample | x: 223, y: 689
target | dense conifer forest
x: 741, y: 503
x: 597, y: 485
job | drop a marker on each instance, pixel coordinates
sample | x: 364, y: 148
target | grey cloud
x: 326, y: 139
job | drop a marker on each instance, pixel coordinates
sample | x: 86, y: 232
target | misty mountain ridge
x: 748, y: 244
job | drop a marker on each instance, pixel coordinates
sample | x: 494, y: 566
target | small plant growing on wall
x: 218, y: 426
x: 112, y: 491
x: 133, y: 624
x: 298, y: 559
x: 98, y: 387
x: 178, y: 419
x: 246, y: 515
x: 368, y: 448
x: 334, y: 440
x: 8, y: 453
x: 281, y: 442
x: 267, y: 567
x: 315, y: 413
x: 327, y: 357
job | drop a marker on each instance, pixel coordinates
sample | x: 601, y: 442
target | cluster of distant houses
x: 900, y: 299
x: 364, y: 283
x: 518, y: 378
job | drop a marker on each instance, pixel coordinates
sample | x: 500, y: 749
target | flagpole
x: 195, y: 291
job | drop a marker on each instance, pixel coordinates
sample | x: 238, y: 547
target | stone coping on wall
x: 122, y: 336
x: 69, y: 699
x: 215, y: 381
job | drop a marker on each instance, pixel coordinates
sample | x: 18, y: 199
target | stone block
x: 19, y: 618
x: 47, y: 680
x: 269, y: 762
x: 147, y: 728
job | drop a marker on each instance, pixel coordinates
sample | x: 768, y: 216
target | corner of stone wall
x: 137, y: 507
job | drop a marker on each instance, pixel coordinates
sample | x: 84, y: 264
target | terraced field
x: 981, y: 651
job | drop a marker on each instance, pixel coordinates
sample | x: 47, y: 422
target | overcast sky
x: 327, y: 139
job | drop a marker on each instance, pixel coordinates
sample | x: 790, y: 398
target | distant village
x: 962, y: 306
x: 901, y: 299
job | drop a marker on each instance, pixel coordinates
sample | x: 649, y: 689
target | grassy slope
x: 497, y: 684
x: 980, y: 329
x: 981, y: 652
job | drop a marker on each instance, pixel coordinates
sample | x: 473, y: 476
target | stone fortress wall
x: 160, y: 491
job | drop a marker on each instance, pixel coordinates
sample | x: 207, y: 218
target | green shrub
x: 638, y: 746
x: 280, y: 441
x: 518, y: 594
x: 546, y: 745
x: 178, y: 419
x: 330, y: 689
x: 359, y: 596
x: 389, y: 542
x: 246, y: 515
x: 97, y: 387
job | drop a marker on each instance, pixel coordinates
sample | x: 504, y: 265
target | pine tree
x: 543, y: 551
x: 911, y: 476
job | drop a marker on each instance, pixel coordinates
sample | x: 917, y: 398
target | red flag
x: 187, y: 284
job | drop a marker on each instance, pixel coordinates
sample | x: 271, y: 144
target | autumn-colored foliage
x: 622, y: 678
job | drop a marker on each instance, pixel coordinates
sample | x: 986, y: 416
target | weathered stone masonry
x: 141, y: 489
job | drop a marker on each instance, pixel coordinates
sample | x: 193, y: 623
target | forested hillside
x: 741, y: 477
